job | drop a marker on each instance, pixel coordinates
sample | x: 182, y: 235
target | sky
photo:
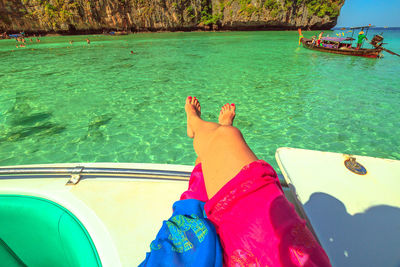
x: 375, y: 12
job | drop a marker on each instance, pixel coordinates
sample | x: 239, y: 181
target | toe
x: 233, y: 107
x: 188, y: 100
x: 196, y: 103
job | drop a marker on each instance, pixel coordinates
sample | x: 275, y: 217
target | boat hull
x: 363, y: 52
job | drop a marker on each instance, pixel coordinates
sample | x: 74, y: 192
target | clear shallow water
x: 99, y: 103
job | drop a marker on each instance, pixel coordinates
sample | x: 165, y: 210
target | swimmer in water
x: 70, y: 42
x: 88, y: 41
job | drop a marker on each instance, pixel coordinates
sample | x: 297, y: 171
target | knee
x: 224, y: 131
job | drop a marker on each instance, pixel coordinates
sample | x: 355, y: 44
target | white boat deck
x: 122, y: 212
x: 121, y: 205
x: 355, y: 217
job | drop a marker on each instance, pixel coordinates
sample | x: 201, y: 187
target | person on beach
x: 243, y: 199
x: 360, y: 39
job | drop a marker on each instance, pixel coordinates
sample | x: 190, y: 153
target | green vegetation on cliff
x: 71, y: 15
x: 53, y: 13
x: 320, y: 8
x: 324, y: 7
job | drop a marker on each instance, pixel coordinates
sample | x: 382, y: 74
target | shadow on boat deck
x: 371, y: 238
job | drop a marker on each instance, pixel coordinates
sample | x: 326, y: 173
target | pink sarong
x: 256, y: 224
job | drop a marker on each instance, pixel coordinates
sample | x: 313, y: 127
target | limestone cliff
x: 152, y: 15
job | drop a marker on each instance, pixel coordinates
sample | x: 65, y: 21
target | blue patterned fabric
x: 188, y: 238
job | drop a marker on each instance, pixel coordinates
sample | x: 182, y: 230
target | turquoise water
x: 99, y: 103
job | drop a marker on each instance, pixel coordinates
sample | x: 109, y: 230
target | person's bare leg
x: 196, y: 127
x: 196, y: 109
x: 197, y: 161
x: 226, y: 117
x: 222, y: 148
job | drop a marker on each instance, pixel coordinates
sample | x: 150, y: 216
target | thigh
x: 223, y: 157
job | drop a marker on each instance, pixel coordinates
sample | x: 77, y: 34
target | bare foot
x: 227, y: 114
x: 192, y: 108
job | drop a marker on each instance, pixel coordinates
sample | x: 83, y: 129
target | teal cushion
x: 42, y: 233
x: 8, y: 257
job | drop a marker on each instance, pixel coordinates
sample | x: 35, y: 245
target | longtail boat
x: 343, y: 45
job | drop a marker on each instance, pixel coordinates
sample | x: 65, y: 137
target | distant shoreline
x: 196, y: 29
x: 119, y: 33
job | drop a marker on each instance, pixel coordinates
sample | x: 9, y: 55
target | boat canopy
x: 336, y: 39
